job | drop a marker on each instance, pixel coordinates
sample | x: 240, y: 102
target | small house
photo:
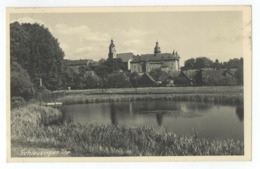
x: 146, y: 81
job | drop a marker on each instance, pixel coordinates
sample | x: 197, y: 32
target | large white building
x: 168, y: 62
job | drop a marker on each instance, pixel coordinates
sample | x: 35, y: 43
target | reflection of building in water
x: 159, y: 118
x: 240, y: 112
x: 113, y: 114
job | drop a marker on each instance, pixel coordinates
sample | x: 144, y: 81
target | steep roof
x: 232, y: 71
x: 149, y: 77
x: 155, y: 57
x: 216, y: 74
x: 190, y: 74
x: 174, y: 74
x: 125, y: 56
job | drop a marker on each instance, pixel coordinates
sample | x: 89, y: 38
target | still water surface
x: 208, y: 120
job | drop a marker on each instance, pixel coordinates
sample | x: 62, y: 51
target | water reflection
x: 113, y: 114
x: 208, y: 120
x: 64, y: 118
x: 240, y: 112
x: 201, y: 107
x: 159, y: 119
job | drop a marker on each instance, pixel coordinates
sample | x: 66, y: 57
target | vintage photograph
x: 140, y: 82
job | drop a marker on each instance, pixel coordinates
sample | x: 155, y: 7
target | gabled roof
x: 216, y: 74
x: 232, y: 71
x: 174, y: 74
x: 155, y: 57
x: 149, y: 77
x: 125, y: 57
x: 190, y: 74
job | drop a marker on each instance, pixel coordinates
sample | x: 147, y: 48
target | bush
x: 118, y: 80
x: 21, y: 85
x: 17, y: 102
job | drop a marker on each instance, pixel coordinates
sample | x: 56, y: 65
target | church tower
x: 157, y: 49
x: 112, y: 50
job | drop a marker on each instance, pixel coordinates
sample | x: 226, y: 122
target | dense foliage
x: 21, y: 85
x: 38, y: 52
x: 204, y: 62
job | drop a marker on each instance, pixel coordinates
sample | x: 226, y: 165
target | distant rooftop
x: 156, y: 57
x: 125, y: 56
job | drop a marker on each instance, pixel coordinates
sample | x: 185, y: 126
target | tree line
x: 37, y: 58
x: 35, y: 55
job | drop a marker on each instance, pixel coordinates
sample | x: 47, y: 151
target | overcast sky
x: 216, y: 35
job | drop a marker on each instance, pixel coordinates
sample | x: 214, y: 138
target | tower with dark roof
x: 157, y: 49
x: 112, y: 50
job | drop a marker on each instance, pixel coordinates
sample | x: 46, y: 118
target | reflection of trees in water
x: 198, y: 106
x: 113, y: 114
x: 64, y: 118
x: 153, y: 106
x: 159, y: 118
x: 240, y: 112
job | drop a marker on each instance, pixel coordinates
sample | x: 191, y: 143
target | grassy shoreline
x: 207, y: 98
x: 31, y: 127
x: 212, y: 94
x: 156, y: 90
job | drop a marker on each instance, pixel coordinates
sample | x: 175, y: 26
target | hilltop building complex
x: 144, y: 63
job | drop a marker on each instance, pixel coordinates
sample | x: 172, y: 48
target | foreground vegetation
x: 32, y: 126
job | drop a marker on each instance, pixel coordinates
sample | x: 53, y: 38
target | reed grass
x: 27, y: 130
x: 155, y: 90
x: 207, y: 98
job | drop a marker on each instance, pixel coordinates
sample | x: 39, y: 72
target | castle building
x: 146, y: 62
x: 167, y: 62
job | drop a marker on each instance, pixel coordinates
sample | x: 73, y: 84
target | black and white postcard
x: 129, y: 84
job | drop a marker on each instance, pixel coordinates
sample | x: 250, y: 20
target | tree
x: 21, y: 84
x: 91, y: 82
x: 203, y: 62
x: 239, y: 74
x: 102, y: 71
x: 235, y: 63
x: 68, y: 77
x: 156, y: 73
x: 216, y: 65
x: 117, y: 80
x: 38, y: 52
x: 189, y: 64
x: 115, y: 65
x: 134, y: 78
x: 79, y: 82
x: 198, y: 63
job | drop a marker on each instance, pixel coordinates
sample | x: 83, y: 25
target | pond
x: 208, y: 120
